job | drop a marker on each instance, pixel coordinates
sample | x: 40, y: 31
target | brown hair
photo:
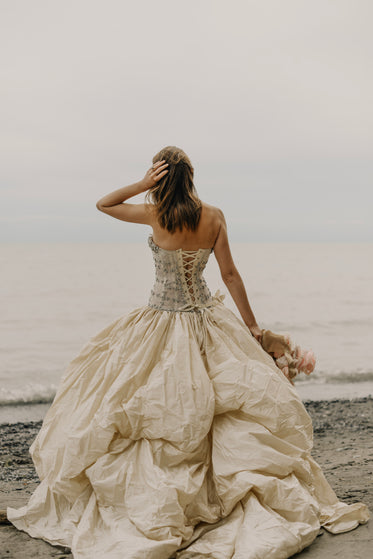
x: 174, y: 197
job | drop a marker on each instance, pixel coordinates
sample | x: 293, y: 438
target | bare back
x: 204, y: 236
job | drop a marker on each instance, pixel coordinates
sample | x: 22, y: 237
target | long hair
x: 174, y: 197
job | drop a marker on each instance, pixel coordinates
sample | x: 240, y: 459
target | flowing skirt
x: 174, y: 434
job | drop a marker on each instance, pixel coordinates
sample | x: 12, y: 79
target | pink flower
x: 308, y: 362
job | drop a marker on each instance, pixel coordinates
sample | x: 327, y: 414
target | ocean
x: 55, y: 296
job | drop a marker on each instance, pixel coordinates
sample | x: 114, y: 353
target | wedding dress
x: 174, y: 434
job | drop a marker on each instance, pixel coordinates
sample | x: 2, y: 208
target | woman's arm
x: 233, y: 280
x: 113, y: 203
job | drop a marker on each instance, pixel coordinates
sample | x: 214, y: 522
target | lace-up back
x: 179, y: 284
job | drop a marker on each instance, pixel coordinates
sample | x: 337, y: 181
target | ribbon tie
x: 218, y: 297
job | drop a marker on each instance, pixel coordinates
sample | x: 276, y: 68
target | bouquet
x: 288, y: 356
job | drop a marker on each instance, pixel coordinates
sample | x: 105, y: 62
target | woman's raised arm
x: 113, y: 203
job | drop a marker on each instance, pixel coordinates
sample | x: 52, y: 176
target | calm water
x: 54, y: 297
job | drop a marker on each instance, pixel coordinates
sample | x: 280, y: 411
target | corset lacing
x: 179, y: 283
x: 188, y: 261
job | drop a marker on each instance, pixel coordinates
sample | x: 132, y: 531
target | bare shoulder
x: 213, y: 212
x: 212, y: 221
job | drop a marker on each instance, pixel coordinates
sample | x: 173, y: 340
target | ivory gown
x: 174, y: 434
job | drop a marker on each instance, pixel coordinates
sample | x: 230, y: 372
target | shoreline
x: 343, y: 447
x: 28, y: 412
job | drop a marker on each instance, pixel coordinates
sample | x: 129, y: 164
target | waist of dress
x: 192, y: 307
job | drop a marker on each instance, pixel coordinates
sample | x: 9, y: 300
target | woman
x: 173, y: 433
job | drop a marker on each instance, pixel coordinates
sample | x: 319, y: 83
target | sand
x: 343, y: 446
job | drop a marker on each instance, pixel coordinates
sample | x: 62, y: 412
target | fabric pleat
x: 174, y: 434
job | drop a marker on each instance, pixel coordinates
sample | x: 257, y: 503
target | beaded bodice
x: 179, y: 284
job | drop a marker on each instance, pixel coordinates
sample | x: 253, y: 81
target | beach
x: 343, y: 446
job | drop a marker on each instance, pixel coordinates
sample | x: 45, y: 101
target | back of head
x: 174, y: 197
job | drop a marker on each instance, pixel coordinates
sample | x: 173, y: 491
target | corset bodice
x: 179, y: 283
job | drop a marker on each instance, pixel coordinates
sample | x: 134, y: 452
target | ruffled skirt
x: 174, y: 434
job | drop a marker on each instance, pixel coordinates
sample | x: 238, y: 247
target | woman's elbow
x: 230, y: 276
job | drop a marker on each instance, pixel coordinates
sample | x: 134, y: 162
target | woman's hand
x: 154, y: 174
x: 256, y: 332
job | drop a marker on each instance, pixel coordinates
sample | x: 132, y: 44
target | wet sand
x: 343, y: 446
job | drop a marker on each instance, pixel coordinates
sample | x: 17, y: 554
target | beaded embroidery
x: 179, y: 284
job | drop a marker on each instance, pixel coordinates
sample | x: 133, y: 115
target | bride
x: 173, y: 434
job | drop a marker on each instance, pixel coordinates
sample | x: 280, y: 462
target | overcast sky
x: 271, y: 99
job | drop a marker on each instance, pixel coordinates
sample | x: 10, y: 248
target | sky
x: 271, y: 100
